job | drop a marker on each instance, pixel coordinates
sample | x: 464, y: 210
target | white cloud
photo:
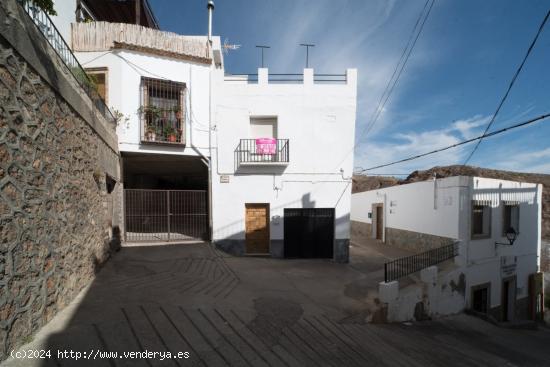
x: 537, y: 161
x: 403, y: 145
x: 468, y: 127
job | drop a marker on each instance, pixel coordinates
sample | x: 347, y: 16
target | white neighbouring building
x: 258, y: 163
x: 488, y: 276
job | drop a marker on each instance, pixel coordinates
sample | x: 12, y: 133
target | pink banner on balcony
x: 266, y: 146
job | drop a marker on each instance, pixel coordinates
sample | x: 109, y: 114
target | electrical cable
x: 518, y: 71
x: 389, y: 90
x: 486, y: 135
x: 402, y: 61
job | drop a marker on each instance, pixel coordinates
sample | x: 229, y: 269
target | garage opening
x: 309, y: 233
x: 165, y: 198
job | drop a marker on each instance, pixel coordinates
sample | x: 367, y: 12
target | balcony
x: 162, y: 126
x: 262, y: 152
x: 162, y: 111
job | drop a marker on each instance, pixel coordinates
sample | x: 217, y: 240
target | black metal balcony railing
x: 54, y: 38
x: 248, y: 152
x: 411, y: 264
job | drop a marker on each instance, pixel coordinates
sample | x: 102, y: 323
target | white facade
x: 443, y: 207
x: 125, y: 70
x: 317, y: 119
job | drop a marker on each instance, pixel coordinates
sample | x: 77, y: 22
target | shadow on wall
x: 315, y: 229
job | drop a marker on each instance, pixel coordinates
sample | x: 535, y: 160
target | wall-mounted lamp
x: 511, y: 236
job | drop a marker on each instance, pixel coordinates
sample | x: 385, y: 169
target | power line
x: 541, y: 27
x: 405, y: 58
x: 388, y: 90
x: 485, y: 135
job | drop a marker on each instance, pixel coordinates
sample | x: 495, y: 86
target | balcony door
x: 263, y: 127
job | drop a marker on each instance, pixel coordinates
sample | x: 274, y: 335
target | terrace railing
x: 404, y: 266
x: 277, y: 78
x: 247, y: 153
x: 45, y: 25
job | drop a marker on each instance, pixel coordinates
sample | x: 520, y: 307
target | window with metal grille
x: 162, y: 111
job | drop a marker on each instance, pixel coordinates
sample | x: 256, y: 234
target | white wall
x: 483, y: 258
x: 479, y: 259
x: 318, y: 120
x: 427, y: 207
x: 125, y: 69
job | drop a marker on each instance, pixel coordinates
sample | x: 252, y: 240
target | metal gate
x: 309, y: 233
x: 165, y: 215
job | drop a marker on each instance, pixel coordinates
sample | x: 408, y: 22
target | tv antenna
x: 262, y: 48
x: 307, y: 46
x: 229, y: 46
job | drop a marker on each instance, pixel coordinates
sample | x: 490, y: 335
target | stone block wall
x: 415, y: 241
x: 56, y: 215
x: 360, y: 231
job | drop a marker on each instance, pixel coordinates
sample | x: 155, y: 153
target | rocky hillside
x: 364, y: 183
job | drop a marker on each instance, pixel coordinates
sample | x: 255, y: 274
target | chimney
x: 210, y: 8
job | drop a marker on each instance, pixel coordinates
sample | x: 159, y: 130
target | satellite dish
x: 228, y: 46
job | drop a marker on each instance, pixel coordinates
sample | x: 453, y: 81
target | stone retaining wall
x: 415, y: 241
x: 360, y: 231
x: 56, y: 215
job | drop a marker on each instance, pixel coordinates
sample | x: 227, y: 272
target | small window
x: 98, y: 78
x: 511, y: 218
x: 481, y: 221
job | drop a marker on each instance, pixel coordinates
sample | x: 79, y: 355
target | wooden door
x: 257, y: 228
x: 379, y: 222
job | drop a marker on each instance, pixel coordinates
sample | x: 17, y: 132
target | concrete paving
x: 254, y: 311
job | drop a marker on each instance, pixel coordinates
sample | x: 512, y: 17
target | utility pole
x: 262, y: 48
x: 307, y: 46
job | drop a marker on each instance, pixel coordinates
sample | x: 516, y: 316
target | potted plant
x: 170, y: 134
x: 177, y: 111
x: 150, y: 133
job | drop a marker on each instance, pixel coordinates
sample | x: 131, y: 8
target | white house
x: 478, y: 213
x: 257, y: 163
x: 294, y: 203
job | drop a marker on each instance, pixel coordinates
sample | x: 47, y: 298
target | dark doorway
x: 309, y: 233
x: 480, y: 299
x: 379, y: 222
x: 165, y: 197
x: 508, y: 299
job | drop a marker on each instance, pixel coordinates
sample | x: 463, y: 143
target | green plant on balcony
x: 45, y: 5
x: 151, y: 113
x: 170, y: 134
x: 150, y: 133
x: 86, y: 81
x: 177, y: 111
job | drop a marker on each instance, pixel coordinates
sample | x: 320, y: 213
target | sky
x: 455, y: 77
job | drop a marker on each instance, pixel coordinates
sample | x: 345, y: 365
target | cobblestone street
x: 261, y: 312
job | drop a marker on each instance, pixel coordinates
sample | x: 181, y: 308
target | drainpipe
x: 210, y: 8
x: 435, y: 190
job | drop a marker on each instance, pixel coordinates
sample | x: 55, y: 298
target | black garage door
x: 309, y: 233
